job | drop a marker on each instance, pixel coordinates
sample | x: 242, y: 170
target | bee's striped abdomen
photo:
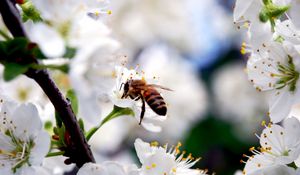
x: 155, y: 101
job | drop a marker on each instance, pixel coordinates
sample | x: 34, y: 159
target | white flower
x: 277, y: 73
x: 64, y: 10
x: 73, y: 29
x: 150, y: 117
x: 236, y: 100
x: 50, y: 42
x: 279, y: 146
x: 107, y: 168
x: 249, y: 14
x: 56, y: 166
x: 159, y: 160
x: 142, y: 23
x: 23, y: 144
x: 22, y: 89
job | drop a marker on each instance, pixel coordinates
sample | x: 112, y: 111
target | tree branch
x: 80, y: 152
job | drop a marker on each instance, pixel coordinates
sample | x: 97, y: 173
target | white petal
x: 260, y: 72
x: 241, y: 6
x: 275, y: 170
x: 294, y: 11
x: 41, y: 148
x: 107, y: 168
x: 260, y: 36
x: 288, y: 31
x: 142, y: 149
x: 292, y: 130
x: 92, y: 169
x: 27, y: 120
x: 50, y: 42
x: 280, y: 105
x: 256, y: 163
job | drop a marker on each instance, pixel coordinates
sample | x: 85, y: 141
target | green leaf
x: 58, y: 120
x: 71, y: 95
x: 64, y: 67
x: 81, y: 125
x: 70, y: 52
x: 17, y: 46
x: 12, y: 70
x: 30, y: 12
x: 2, y: 51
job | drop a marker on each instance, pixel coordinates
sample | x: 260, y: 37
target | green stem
x: 3, y: 33
x: 53, y: 154
x: 63, y: 67
x: 116, y: 112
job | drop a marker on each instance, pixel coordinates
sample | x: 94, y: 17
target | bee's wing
x: 159, y: 86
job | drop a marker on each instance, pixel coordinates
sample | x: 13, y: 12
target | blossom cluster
x: 73, y: 33
x: 154, y: 159
x: 272, y: 44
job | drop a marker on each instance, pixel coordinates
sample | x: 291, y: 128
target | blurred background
x: 191, y: 47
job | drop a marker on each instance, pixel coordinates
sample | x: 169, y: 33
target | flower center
x: 20, y: 152
x: 288, y: 75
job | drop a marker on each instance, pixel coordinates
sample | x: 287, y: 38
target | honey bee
x: 140, y: 90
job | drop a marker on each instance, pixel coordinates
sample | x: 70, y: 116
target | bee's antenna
x: 121, y: 86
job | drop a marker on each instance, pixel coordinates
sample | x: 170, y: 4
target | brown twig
x: 80, y: 152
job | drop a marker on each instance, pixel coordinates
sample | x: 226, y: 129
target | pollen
x: 114, y: 74
x: 109, y: 12
x: 252, y: 148
x: 154, y: 144
x: 243, y: 48
x: 174, y: 170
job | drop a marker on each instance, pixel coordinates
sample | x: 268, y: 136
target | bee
x: 140, y: 90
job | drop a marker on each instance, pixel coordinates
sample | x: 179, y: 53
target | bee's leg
x: 143, y: 109
x: 137, y: 98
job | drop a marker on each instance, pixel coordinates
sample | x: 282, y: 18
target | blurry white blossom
x: 49, y: 41
x: 23, y: 144
x: 107, y: 168
x: 236, y: 100
x: 161, y: 160
x: 72, y: 29
x: 142, y: 23
x: 92, y: 75
x: 56, y: 166
x: 22, y: 89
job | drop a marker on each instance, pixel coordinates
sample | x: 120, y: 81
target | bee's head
x: 126, y: 89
